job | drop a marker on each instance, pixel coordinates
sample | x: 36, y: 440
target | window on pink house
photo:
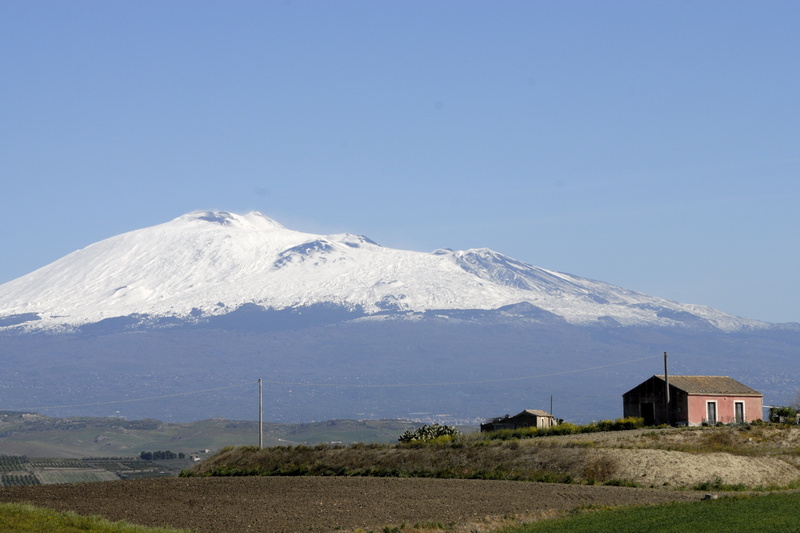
x: 711, y: 412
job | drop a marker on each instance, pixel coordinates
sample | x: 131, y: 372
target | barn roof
x: 710, y: 385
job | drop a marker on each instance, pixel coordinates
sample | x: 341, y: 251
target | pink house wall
x: 698, y: 412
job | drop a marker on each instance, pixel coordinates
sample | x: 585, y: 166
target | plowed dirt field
x: 322, y: 504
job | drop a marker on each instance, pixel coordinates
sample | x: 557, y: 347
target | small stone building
x: 693, y: 400
x: 525, y: 419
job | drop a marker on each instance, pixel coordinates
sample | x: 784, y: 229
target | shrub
x: 565, y: 428
x: 427, y: 433
x: 628, y: 423
x: 600, y: 469
x: 562, y: 429
x: 782, y: 414
x: 717, y: 484
x: 720, y: 441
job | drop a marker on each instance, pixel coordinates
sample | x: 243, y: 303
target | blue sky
x: 653, y: 145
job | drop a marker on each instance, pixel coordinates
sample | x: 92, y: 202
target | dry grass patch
x: 751, y: 456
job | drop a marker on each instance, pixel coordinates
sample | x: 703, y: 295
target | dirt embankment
x: 758, y: 457
x: 751, y: 456
x: 322, y: 504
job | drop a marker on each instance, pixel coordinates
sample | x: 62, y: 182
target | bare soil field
x: 322, y: 504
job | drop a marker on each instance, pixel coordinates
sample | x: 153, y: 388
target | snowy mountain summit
x: 207, y: 264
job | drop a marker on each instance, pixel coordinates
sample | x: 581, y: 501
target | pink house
x: 693, y: 400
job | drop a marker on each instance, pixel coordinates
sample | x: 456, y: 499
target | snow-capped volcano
x: 210, y: 263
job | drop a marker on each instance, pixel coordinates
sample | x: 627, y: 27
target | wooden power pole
x: 666, y: 380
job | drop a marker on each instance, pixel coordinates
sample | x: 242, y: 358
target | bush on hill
x: 621, y: 424
x: 433, y: 432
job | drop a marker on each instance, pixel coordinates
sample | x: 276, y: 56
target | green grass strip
x: 22, y: 518
x: 775, y: 513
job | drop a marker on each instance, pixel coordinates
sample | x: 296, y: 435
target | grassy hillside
x: 702, y: 458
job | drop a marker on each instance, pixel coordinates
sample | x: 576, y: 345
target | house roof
x: 710, y: 385
x: 529, y: 412
x: 536, y: 412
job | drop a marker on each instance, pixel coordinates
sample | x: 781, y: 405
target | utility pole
x: 666, y: 380
x: 260, y: 416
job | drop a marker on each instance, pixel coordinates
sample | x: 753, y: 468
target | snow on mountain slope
x: 210, y: 263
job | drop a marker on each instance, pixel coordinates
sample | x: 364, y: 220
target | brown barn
x: 693, y: 400
x: 525, y: 419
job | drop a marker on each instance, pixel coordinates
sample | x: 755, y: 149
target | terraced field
x: 24, y: 471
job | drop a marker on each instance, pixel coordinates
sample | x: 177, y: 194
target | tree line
x: 161, y: 456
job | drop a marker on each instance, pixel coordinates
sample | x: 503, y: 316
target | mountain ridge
x: 207, y: 264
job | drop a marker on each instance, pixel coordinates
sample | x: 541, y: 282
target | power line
x: 454, y: 383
